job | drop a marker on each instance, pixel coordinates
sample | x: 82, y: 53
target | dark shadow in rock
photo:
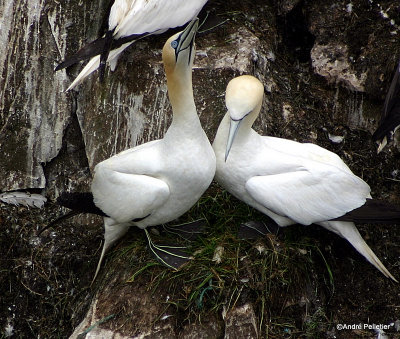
x: 295, y: 34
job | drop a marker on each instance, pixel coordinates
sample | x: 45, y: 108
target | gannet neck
x: 180, y: 92
x: 178, y: 56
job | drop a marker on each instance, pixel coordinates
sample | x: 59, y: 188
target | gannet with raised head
x: 286, y: 180
x: 158, y: 181
x: 390, y: 119
x: 128, y: 21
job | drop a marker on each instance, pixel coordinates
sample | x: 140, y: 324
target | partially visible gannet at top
x: 288, y: 181
x: 390, y: 119
x: 158, y: 181
x: 130, y: 20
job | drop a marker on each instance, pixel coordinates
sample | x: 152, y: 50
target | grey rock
x: 35, y: 113
x: 332, y: 62
x: 286, y: 6
x: 241, y: 322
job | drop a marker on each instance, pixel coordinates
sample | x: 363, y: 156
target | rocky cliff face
x: 35, y: 112
x: 131, y: 106
x: 326, y: 67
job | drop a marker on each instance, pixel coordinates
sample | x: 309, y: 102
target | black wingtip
x: 92, y: 49
x: 374, y: 211
x: 80, y: 202
x: 77, y: 202
x: 60, y: 67
x: 101, y: 46
x: 108, y: 42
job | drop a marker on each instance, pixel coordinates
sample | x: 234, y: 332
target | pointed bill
x: 185, y: 40
x: 232, y: 134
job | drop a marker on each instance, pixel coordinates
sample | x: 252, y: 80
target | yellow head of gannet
x: 179, y: 50
x: 243, y: 99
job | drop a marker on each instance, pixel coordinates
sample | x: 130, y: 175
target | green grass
x: 269, y: 272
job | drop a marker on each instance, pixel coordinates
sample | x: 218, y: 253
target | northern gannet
x: 390, y: 119
x: 128, y: 21
x: 156, y: 182
x: 286, y: 180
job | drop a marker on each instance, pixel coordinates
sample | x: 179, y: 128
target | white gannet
x: 286, y: 180
x: 156, y: 182
x: 390, y: 119
x: 128, y: 21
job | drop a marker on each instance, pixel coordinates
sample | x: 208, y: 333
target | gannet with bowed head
x: 130, y: 20
x: 390, y: 119
x: 158, y: 181
x: 288, y: 181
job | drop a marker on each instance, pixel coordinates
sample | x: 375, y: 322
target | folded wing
x: 309, y: 195
x: 129, y: 185
x: 126, y: 197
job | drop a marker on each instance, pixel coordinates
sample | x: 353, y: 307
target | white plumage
x: 141, y: 18
x: 159, y: 181
x: 288, y: 181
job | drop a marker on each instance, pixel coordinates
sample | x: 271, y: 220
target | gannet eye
x: 174, y: 44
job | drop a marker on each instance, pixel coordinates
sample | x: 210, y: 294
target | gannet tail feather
x: 349, y: 231
x: 113, y: 231
x: 354, y: 237
x: 103, y: 252
x: 91, y: 66
x: 373, y: 211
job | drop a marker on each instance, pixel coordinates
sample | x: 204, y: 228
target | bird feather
x: 23, y: 198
